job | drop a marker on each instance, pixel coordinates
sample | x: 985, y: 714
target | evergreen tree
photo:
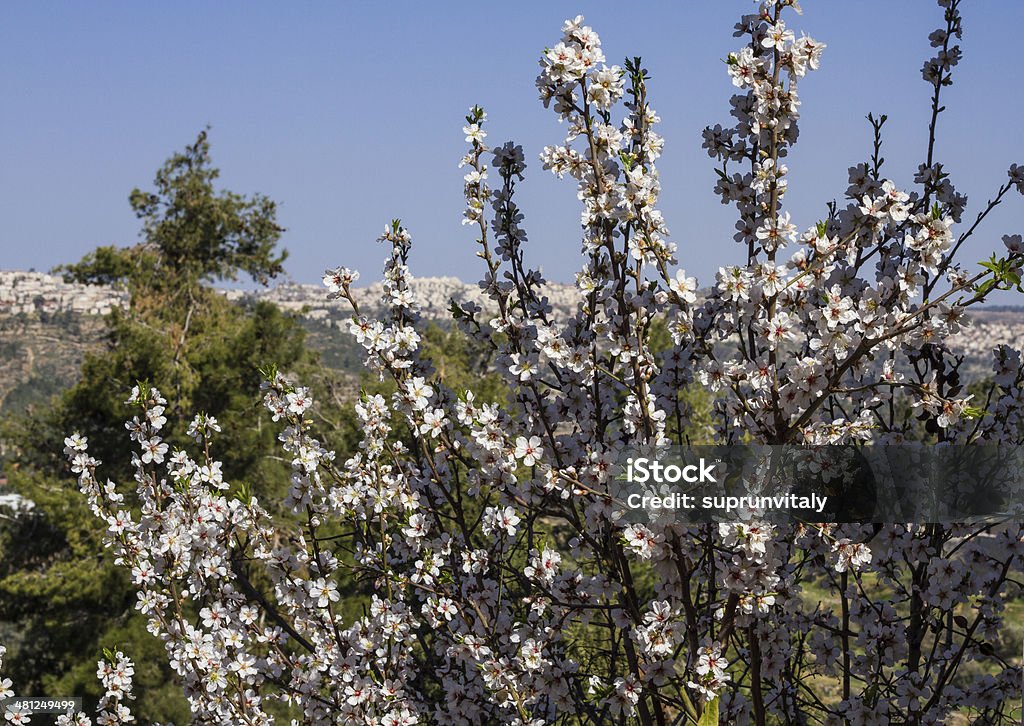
x: 59, y: 592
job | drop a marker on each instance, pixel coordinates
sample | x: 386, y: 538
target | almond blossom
x: 501, y: 584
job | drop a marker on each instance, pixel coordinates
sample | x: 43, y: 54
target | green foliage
x: 337, y: 349
x: 163, y: 701
x: 108, y: 265
x: 709, y: 717
x: 58, y: 587
x: 1006, y: 275
x: 689, y: 420
x: 191, y: 232
x: 43, y: 384
x: 461, y: 364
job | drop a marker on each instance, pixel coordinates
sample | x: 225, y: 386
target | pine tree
x: 59, y: 593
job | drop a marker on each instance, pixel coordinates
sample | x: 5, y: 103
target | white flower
x: 683, y: 286
x: 640, y: 540
x: 324, y: 591
x: 951, y: 411
x: 809, y: 50
x: 153, y: 451
x: 532, y: 655
x: 474, y: 133
x: 777, y: 36
x: 417, y: 527
x: 417, y: 393
x: 523, y: 366
x: 338, y: 279
x: 1016, y: 174
x: 529, y: 450
x: 744, y: 67
x: 299, y: 401
x: 606, y: 87
x: 780, y: 329
x: 76, y: 442
x: 434, y: 423
x: 710, y: 662
x: 118, y: 523
x: 850, y: 555
x: 500, y: 519
x: 564, y: 63
x: 446, y: 608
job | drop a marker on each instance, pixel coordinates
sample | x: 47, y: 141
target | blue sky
x: 350, y: 115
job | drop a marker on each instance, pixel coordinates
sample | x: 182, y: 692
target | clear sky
x: 349, y: 114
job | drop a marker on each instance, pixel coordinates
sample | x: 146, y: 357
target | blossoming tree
x: 504, y: 590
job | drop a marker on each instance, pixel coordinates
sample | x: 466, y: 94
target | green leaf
x: 709, y: 716
x: 972, y: 412
x: 268, y: 372
x: 244, y: 493
x: 456, y: 310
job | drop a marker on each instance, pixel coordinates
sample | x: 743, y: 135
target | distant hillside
x: 47, y: 325
x: 41, y: 353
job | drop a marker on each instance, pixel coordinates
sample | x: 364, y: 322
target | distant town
x: 37, y: 292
